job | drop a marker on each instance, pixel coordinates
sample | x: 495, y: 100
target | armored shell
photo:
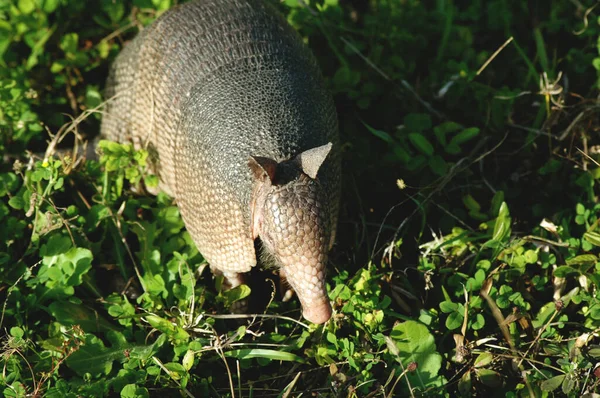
x: 241, y: 131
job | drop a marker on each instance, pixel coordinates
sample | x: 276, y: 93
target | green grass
x: 467, y: 260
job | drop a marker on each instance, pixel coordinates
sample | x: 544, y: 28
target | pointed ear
x: 262, y: 168
x: 310, y: 161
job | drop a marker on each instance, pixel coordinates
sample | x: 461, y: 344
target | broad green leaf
x: 531, y: 256
x: 237, y: 293
x: 443, y: 129
x: 176, y: 370
x: 155, y: 285
x: 69, y: 43
x: 470, y: 203
x: 16, y: 202
x: 416, y: 344
x: 159, y: 323
x: 502, y: 224
x: 479, y: 322
x: 594, y: 351
x: 93, y: 98
x: 94, y: 358
x: 417, y: 122
x: 145, y: 352
x: 345, y: 78
x: 174, y: 332
x: 114, y: 10
x: 70, y: 314
x: 448, y: 307
x: 464, y: 136
x: 582, y: 259
x: 161, y: 4
x: 26, y: 6
x: 171, y: 219
x: 594, y: 312
x: 497, y: 201
x: 465, y: 384
x: 17, y: 332
x: 592, y: 237
x: 421, y: 143
x: 447, y: 127
x: 483, y: 359
x: 151, y: 181
x: 9, y: 182
x: 188, y: 359
x: 569, y: 383
x: 49, y: 5
x: 123, y: 312
x: 552, y: 383
x: 426, y: 317
x: 16, y: 390
x: 452, y: 149
x: 489, y: 377
x: 544, y: 315
x: 454, y: 320
x: 438, y: 165
x: 380, y: 134
x: 275, y: 355
x: 133, y: 391
x: 416, y: 163
x: 61, y: 272
x: 564, y: 270
x: 57, y: 244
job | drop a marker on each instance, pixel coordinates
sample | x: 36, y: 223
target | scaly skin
x: 209, y: 86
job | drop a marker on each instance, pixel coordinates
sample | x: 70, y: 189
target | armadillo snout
x: 319, y: 313
x: 295, y: 232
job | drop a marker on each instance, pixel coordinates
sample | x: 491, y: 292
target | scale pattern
x: 205, y: 87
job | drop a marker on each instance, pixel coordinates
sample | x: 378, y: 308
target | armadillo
x: 241, y: 131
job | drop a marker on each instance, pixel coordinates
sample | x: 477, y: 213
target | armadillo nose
x: 317, y: 313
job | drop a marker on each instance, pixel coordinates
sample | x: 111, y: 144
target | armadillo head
x: 290, y: 215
